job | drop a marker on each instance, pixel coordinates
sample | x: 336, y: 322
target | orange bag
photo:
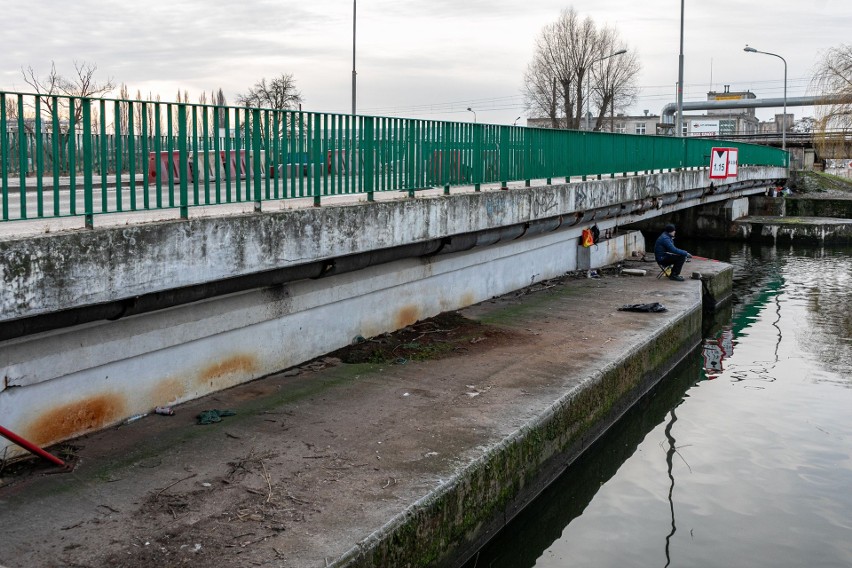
x: 588, y: 239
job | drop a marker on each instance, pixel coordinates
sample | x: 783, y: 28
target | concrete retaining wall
x: 610, y: 251
x: 818, y: 207
x: 814, y: 230
x: 66, y: 383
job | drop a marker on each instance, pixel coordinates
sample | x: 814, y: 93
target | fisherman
x: 667, y: 254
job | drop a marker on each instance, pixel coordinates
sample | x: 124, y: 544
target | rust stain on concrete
x: 167, y: 391
x: 237, y: 364
x: 468, y: 299
x: 75, y: 418
x: 406, y: 316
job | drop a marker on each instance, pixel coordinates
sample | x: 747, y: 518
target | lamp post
x: 354, y: 5
x: 515, y: 123
x: 748, y: 49
x: 679, y: 121
x: 589, y: 82
x: 474, y: 114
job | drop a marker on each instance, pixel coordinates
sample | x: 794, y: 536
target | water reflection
x: 542, y: 523
x: 760, y: 422
x: 715, y: 350
x: 669, y: 461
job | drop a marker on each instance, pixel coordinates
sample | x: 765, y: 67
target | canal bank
x: 739, y: 457
x: 412, y: 458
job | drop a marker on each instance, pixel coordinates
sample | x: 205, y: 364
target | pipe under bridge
x: 100, y: 325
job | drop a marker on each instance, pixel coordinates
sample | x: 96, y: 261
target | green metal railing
x: 71, y: 156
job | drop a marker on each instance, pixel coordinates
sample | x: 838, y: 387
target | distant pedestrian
x: 667, y: 254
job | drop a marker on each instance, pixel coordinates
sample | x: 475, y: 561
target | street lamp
x: 474, y: 114
x: 515, y: 123
x: 748, y: 49
x: 679, y: 120
x: 589, y: 82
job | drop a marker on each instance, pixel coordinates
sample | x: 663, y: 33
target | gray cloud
x: 409, y: 52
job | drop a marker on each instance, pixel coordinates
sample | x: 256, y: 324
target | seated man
x: 667, y: 254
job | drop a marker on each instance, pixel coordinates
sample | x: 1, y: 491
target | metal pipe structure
x: 784, y: 124
x: 30, y: 447
x: 589, y: 83
x: 670, y: 109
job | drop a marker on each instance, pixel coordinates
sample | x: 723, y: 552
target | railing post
x: 505, y: 157
x: 131, y: 155
x: 412, y: 156
x: 22, y: 157
x: 317, y: 159
x: 183, y: 161
x: 255, y: 149
x: 170, y: 148
x: 4, y: 159
x: 369, y: 160
x: 39, y: 157
x: 446, y: 129
x: 104, y: 157
x: 55, y: 135
x: 158, y: 163
x: 87, y: 162
x: 477, y: 157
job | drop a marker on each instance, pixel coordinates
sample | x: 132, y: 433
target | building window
x: 619, y: 127
x: 640, y: 128
x: 684, y: 128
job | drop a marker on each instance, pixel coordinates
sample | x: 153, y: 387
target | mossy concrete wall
x: 818, y: 207
x: 764, y: 205
x: 814, y: 230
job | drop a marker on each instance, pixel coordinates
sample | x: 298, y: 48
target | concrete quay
x: 406, y: 461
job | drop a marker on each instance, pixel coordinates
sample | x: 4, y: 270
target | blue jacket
x: 665, y: 246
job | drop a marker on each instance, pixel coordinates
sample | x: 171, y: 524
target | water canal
x: 742, y: 456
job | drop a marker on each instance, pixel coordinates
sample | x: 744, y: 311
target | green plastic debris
x: 213, y: 416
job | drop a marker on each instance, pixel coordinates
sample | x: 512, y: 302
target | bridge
x: 348, y: 227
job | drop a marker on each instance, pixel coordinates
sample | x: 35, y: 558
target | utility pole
x: 679, y: 121
x: 354, y: 6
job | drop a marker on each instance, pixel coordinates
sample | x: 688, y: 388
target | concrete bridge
x: 102, y: 325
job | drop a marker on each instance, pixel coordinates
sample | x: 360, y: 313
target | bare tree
x: 833, y: 78
x: 568, y: 60
x: 565, y: 50
x: 218, y: 99
x: 541, y: 96
x: 124, y: 109
x: 81, y: 84
x: 614, y: 79
x: 11, y: 108
x: 279, y: 94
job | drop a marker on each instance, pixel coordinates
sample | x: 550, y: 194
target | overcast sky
x: 425, y: 59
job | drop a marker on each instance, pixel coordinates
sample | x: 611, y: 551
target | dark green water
x: 742, y: 456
